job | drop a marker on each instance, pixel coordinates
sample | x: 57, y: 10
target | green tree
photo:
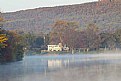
x: 39, y: 41
x: 29, y: 39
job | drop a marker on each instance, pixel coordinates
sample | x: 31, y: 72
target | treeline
x: 70, y: 34
x: 32, y: 40
x: 13, y: 44
x: 91, y: 37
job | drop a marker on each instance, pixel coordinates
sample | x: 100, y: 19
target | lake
x: 84, y: 67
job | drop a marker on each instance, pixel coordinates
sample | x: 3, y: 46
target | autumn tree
x: 92, y: 38
x: 117, y: 35
x: 108, y: 40
x: 3, y: 37
x: 81, y: 43
x: 62, y: 32
x: 71, y: 35
x: 14, y: 49
x: 57, y: 33
x: 66, y: 33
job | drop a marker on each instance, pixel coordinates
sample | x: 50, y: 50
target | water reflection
x: 54, y: 63
x: 63, y: 68
x: 61, y: 63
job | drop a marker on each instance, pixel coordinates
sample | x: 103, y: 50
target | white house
x: 58, y: 47
x: 54, y: 48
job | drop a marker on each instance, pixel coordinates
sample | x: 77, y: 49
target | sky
x: 16, y: 5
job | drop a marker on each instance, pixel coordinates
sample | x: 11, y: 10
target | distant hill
x: 104, y: 15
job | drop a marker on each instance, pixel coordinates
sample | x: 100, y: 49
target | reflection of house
x: 54, y: 63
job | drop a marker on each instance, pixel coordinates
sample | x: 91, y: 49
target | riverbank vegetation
x: 11, y: 48
x: 70, y: 34
x: 88, y: 38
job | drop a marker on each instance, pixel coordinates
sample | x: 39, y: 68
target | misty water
x: 64, y: 68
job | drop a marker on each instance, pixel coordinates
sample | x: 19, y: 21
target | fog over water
x: 89, y: 67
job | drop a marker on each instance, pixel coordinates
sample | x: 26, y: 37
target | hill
x: 104, y: 15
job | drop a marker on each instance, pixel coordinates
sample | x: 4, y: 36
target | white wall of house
x: 54, y: 48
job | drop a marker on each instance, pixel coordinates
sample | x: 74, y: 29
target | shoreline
x: 69, y: 53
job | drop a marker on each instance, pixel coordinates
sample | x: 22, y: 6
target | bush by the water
x: 11, y: 49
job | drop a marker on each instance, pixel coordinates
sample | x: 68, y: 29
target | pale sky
x: 16, y: 5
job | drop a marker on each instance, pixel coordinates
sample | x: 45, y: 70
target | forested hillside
x: 104, y: 15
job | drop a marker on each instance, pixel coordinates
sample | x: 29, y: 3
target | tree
x: 66, y: 33
x: 71, y: 35
x: 14, y: 50
x: 39, y: 41
x: 117, y: 35
x: 29, y: 38
x: 61, y: 29
x: 81, y: 43
x: 3, y: 39
x: 92, y: 38
x: 57, y: 33
x: 108, y: 40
